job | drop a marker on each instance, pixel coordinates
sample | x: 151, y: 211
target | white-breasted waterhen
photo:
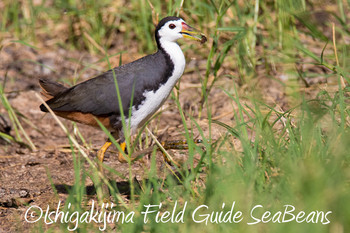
x: 143, y: 85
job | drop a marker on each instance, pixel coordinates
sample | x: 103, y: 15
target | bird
x: 143, y: 84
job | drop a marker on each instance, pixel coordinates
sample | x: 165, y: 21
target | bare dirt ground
x: 25, y: 174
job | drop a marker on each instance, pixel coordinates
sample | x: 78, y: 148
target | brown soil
x: 25, y: 174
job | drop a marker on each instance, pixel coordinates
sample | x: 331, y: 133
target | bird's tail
x: 50, y: 89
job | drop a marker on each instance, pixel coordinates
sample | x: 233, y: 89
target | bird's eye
x: 172, y: 26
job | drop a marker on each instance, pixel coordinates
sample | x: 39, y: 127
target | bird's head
x: 172, y: 28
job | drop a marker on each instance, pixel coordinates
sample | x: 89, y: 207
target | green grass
x: 266, y: 156
x: 16, y: 124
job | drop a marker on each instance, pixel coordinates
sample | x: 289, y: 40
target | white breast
x: 154, y: 100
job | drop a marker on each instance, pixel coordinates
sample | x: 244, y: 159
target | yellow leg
x: 104, y: 148
x: 121, y: 157
x: 101, y: 154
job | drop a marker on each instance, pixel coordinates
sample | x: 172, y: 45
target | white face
x: 171, y: 31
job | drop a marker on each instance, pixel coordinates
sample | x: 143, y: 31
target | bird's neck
x: 173, y: 50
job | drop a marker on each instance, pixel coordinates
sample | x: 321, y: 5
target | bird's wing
x: 98, y: 96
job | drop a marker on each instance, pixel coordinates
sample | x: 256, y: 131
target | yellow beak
x: 193, y: 34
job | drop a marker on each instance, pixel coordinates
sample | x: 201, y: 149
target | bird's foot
x: 123, y: 156
x: 176, y: 145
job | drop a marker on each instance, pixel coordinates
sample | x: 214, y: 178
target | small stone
x: 23, y: 193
